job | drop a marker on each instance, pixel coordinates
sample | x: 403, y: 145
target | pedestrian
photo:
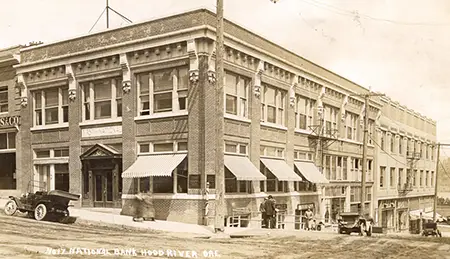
x: 309, y: 219
x: 146, y: 210
x: 262, y: 209
x: 270, y: 211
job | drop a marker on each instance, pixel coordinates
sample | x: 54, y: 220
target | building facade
x: 9, y: 120
x: 114, y: 113
x: 406, y: 155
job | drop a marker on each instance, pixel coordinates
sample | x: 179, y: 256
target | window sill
x: 350, y: 141
x: 100, y: 121
x: 163, y: 153
x: 273, y: 125
x: 234, y: 154
x: 236, y: 118
x: 303, y: 131
x: 47, y: 127
x: 161, y: 115
x: 272, y: 157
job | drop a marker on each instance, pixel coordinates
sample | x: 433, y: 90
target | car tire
x: 40, y: 212
x: 10, y: 207
x: 319, y: 227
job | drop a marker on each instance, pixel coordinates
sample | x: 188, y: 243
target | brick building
x: 129, y: 109
x: 406, y: 157
x: 9, y: 120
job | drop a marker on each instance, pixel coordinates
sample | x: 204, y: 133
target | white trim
x: 5, y: 151
x: 273, y: 125
x: 101, y: 121
x: 237, y: 118
x: 162, y: 115
x: 52, y: 126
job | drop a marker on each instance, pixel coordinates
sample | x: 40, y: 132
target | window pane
x: 62, y: 177
x: 65, y: 95
x: 65, y: 113
x: 182, y: 103
x: 232, y: 148
x: 38, y: 99
x: 183, y: 78
x: 42, y: 153
x: 243, y: 87
x: 271, y: 114
x: 163, y: 80
x: 243, y: 108
x: 87, y: 111
x: 230, y: 84
x: 51, y: 116
x: 3, y: 140
x: 61, y: 152
x: 182, y: 146
x: 163, y: 147
x: 51, y: 97
x: 38, y: 117
x: 270, y: 151
x: 270, y: 96
x: 11, y: 140
x: 145, y: 105
x: 119, y: 107
x: 86, y: 93
x: 102, y: 90
x: 243, y: 149
x: 103, y: 109
x: 144, y: 148
x: 231, y: 104
x: 143, y: 83
x: 163, y: 102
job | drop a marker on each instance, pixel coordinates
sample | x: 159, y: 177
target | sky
x: 398, y: 47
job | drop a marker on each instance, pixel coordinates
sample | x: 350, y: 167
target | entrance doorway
x: 103, y: 186
x: 8, y: 171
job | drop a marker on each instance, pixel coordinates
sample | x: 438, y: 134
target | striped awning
x: 281, y: 170
x: 243, y: 169
x: 154, y: 165
x: 309, y: 170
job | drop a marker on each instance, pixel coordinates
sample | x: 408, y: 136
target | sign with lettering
x: 305, y: 206
x: 101, y: 131
x: 9, y: 121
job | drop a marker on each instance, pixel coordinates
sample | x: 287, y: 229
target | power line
x: 357, y: 15
x: 97, y: 20
x: 386, y: 151
x: 440, y: 162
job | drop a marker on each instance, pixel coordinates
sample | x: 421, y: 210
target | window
x: 331, y: 120
x: 421, y: 178
x: 304, y: 110
x: 162, y: 91
x: 351, y: 122
x: 426, y: 151
x: 237, y: 148
x: 299, y: 155
x: 162, y: 147
x: 371, y: 129
x: 272, y: 151
x: 62, y: 177
x: 344, y: 168
x: 392, y: 177
x: 400, y: 146
x: 427, y: 174
x: 42, y: 153
x: 383, y: 138
x: 415, y: 178
x: 400, y: 177
x: 273, y: 105
x: 368, y: 193
x: 8, y: 140
x: 4, y: 99
x: 382, y: 175
x: 51, y: 106
x: 61, y: 152
x: 163, y: 184
x: 432, y: 178
x: 236, y: 94
x: 102, y: 99
x: 432, y: 153
x: 392, y: 138
x: 271, y: 184
x: 54, y: 176
x: 182, y: 146
x: 328, y: 167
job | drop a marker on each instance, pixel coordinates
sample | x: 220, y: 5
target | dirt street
x: 27, y: 238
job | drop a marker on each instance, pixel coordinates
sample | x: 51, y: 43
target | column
x: 291, y: 129
x: 255, y: 127
x: 25, y: 171
x: 128, y: 134
x: 347, y: 199
x: 75, y: 102
x: 52, y: 177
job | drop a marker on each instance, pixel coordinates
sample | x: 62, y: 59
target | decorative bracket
x: 292, y: 91
x: 193, y: 61
x: 211, y: 77
x: 193, y: 77
x: 72, y: 94
x: 259, y: 72
x: 361, y: 116
x: 23, y: 90
x: 343, y: 110
x: 24, y: 101
x: 126, y: 86
x: 126, y: 73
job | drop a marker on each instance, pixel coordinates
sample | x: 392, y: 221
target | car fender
x: 18, y: 202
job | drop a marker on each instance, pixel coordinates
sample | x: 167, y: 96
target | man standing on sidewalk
x: 145, y: 210
x: 270, y: 211
x: 262, y: 209
x: 309, y: 219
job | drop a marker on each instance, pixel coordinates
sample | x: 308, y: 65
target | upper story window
x: 102, y: 99
x: 331, y: 120
x: 8, y: 140
x: 271, y: 151
x: 302, y: 155
x: 426, y: 151
x: 432, y: 153
x: 162, y: 147
x: 236, y: 95
x: 351, y: 123
x: 162, y: 91
x: 400, y: 146
x: 392, y: 137
x: 382, y: 176
x: 4, y: 99
x: 371, y: 129
x: 383, y: 140
x: 238, y: 148
x: 304, y: 112
x: 51, y: 106
x: 273, y: 105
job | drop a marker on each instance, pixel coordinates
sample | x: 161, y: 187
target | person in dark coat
x: 146, y: 210
x: 270, y: 211
x: 262, y: 209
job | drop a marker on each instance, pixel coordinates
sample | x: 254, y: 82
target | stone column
x: 128, y: 134
x: 255, y: 116
x: 291, y: 129
x: 75, y: 102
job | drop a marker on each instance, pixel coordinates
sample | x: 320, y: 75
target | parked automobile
x: 430, y: 229
x: 352, y: 222
x: 43, y: 205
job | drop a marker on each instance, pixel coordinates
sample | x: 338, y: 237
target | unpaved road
x: 27, y: 238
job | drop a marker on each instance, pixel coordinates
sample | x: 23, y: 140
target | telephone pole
x: 107, y: 14
x: 365, y: 141
x: 220, y: 173
x: 436, y: 183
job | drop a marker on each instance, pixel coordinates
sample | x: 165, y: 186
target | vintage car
x: 352, y: 222
x: 431, y: 229
x: 42, y: 205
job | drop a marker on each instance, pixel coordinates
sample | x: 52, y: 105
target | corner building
x: 132, y: 109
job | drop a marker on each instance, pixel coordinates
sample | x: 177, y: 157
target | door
x: 103, y: 189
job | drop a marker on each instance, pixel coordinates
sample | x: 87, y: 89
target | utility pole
x: 365, y: 141
x: 220, y: 173
x: 436, y: 183
x: 107, y: 14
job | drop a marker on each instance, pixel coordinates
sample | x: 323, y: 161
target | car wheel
x: 319, y: 227
x: 40, y: 212
x: 10, y: 207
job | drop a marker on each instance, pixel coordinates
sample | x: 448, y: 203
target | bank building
x: 109, y: 114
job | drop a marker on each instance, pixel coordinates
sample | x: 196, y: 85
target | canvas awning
x: 427, y: 215
x: 243, y: 169
x: 309, y: 170
x: 281, y: 170
x: 154, y: 165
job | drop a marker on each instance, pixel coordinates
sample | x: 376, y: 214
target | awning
x: 427, y: 215
x: 154, y: 165
x: 309, y: 170
x: 243, y: 168
x: 281, y: 170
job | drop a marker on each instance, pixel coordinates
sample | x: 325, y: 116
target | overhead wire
x: 387, y: 153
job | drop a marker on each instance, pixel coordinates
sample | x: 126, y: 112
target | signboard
x: 101, y: 131
x: 281, y: 206
x: 9, y: 121
x: 194, y: 181
x: 305, y: 206
x: 241, y: 211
